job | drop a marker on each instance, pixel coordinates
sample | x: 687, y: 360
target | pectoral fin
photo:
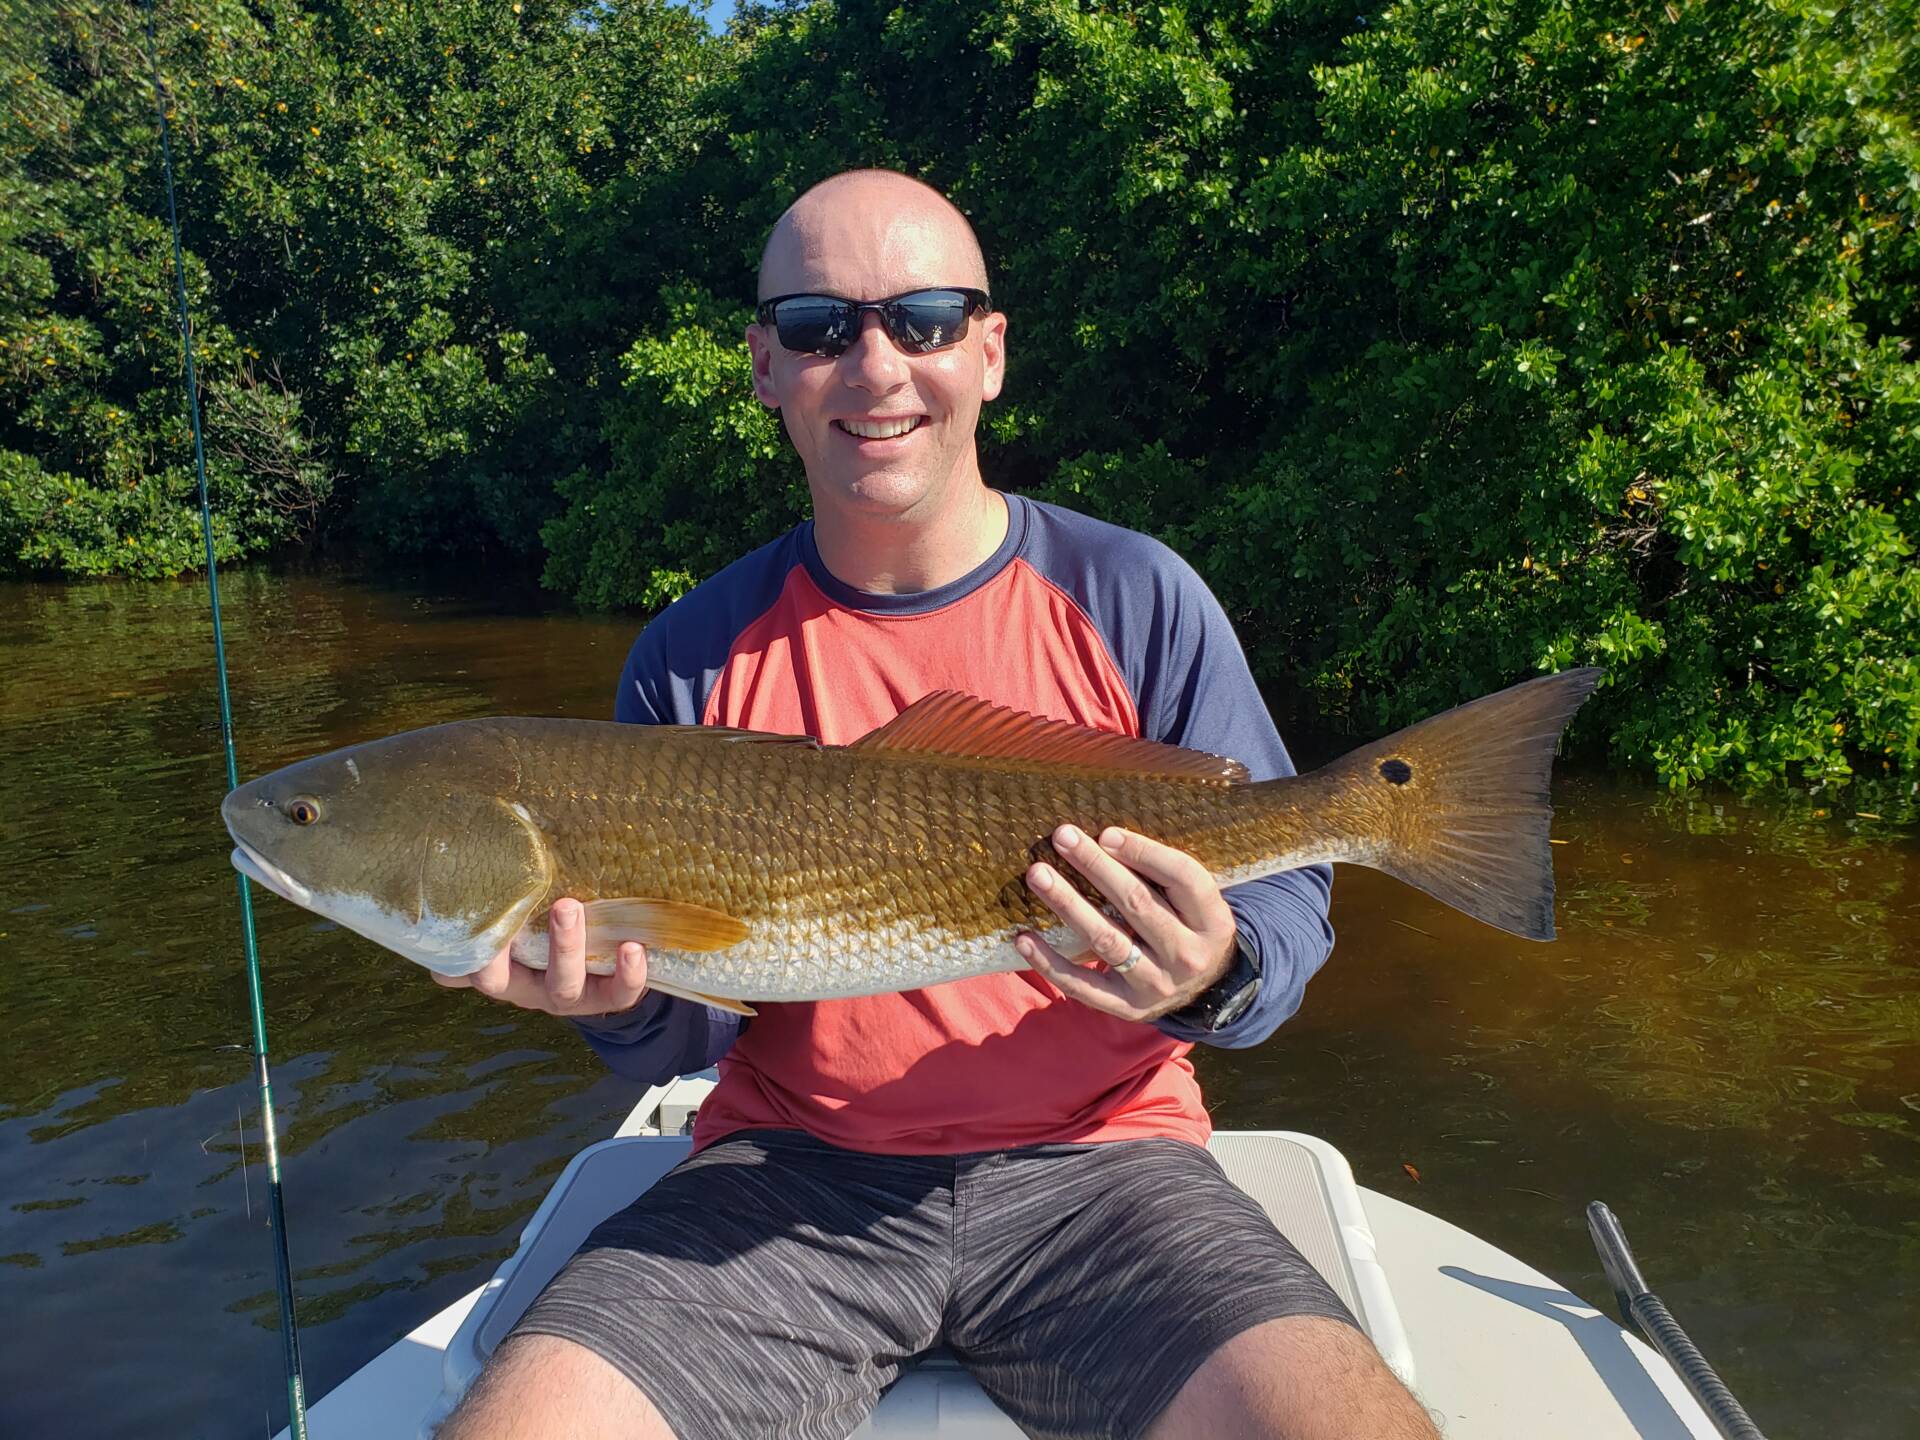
x: 669, y: 924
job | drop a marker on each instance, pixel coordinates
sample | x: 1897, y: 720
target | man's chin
x: 885, y: 489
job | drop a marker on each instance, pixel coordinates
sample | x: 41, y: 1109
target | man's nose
x: 873, y: 362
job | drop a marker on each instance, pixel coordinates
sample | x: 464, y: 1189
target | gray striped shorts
x: 773, y: 1285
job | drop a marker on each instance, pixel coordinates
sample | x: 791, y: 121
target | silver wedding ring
x: 1134, y: 957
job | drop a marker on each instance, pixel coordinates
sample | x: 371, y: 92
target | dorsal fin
x: 948, y: 722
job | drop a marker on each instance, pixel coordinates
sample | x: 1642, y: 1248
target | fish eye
x: 302, y: 811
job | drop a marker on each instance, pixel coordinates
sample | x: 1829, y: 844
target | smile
x: 880, y: 429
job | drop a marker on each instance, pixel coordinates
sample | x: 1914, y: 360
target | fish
x: 759, y: 867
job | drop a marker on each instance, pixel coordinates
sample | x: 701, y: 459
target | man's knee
x: 541, y: 1387
x: 1302, y: 1378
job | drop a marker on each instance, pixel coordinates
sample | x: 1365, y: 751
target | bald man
x: 1012, y: 1166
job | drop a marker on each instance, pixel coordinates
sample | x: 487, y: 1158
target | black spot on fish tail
x: 1474, y: 832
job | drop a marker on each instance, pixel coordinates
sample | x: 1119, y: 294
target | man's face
x: 871, y: 246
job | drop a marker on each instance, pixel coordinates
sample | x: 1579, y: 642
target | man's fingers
x: 630, y: 967
x: 1190, y: 890
x: 565, y: 987
x: 494, y: 978
x: 1101, y: 989
x: 1066, y: 902
x: 1140, y: 994
x: 1144, y: 912
x: 609, y: 994
x: 566, y: 955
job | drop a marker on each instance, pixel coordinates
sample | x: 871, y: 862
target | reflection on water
x: 1724, y: 1043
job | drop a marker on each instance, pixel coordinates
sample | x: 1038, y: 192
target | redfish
x: 772, y: 867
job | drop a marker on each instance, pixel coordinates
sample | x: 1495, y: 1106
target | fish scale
x: 774, y: 868
x: 844, y: 881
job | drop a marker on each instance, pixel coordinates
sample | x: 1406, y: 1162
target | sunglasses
x: 920, y: 321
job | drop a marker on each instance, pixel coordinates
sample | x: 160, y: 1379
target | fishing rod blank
x: 1642, y: 1310
x: 276, y: 1209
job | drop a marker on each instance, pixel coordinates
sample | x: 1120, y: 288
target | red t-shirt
x: 776, y: 643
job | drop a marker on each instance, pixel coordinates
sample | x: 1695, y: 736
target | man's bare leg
x: 1302, y: 1378
x: 540, y: 1387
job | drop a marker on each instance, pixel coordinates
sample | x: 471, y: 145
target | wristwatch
x: 1228, y: 998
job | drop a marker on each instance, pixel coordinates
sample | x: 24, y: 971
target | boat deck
x: 1495, y: 1349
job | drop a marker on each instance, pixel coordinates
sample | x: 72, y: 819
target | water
x: 1724, y: 1044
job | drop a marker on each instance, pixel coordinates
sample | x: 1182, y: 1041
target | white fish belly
x: 810, y: 956
x: 793, y: 964
x: 813, y: 960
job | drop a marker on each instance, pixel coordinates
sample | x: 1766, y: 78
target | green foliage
x: 699, y: 475
x: 1639, y: 392
x: 374, y: 198
x: 1452, y: 342
x: 96, y: 457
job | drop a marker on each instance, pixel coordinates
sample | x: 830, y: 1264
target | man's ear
x: 761, y: 349
x: 993, y: 354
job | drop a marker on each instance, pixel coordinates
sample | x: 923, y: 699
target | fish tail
x: 1458, y: 805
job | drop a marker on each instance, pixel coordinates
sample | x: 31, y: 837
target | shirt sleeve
x: 663, y: 1036
x: 1198, y: 692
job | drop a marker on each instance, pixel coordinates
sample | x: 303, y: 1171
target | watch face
x: 1237, y: 1004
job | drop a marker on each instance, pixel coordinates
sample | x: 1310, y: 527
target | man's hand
x: 565, y: 987
x: 1170, y: 906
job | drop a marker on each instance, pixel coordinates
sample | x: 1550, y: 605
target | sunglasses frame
x: 976, y: 300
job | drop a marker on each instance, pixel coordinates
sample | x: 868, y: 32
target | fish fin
x: 1464, y: 801
x: 670, y: 924
x: 710, y: 733
x: 949, y: 722
x: 738, y: 1007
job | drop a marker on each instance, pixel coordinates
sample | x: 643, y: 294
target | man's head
x: 872, y: 235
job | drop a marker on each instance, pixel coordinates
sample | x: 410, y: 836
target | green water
x: 1724, y: 1043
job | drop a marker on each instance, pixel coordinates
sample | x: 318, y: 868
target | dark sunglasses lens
x: 814, y: 324
x: 928, y: 319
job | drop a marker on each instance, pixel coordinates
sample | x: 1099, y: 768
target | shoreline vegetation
x: 1450, y: 343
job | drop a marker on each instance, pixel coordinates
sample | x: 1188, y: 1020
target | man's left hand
x: 1168, y: 905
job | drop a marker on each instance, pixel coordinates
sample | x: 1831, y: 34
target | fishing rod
x: 276, y: 1209
x: 1641, y: 1310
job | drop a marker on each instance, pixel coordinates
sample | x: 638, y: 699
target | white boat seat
x: 1303, y: 1183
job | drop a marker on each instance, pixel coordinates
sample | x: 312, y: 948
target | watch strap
x: 1228, y: 998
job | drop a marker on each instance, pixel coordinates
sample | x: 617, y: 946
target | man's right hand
x: 564, y: 987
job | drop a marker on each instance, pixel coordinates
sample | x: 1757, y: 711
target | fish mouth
x: 258, y: 868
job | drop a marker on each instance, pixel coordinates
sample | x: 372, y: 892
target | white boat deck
x: 1495, y: 1349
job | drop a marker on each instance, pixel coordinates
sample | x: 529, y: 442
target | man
x: 1010, y: 1165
